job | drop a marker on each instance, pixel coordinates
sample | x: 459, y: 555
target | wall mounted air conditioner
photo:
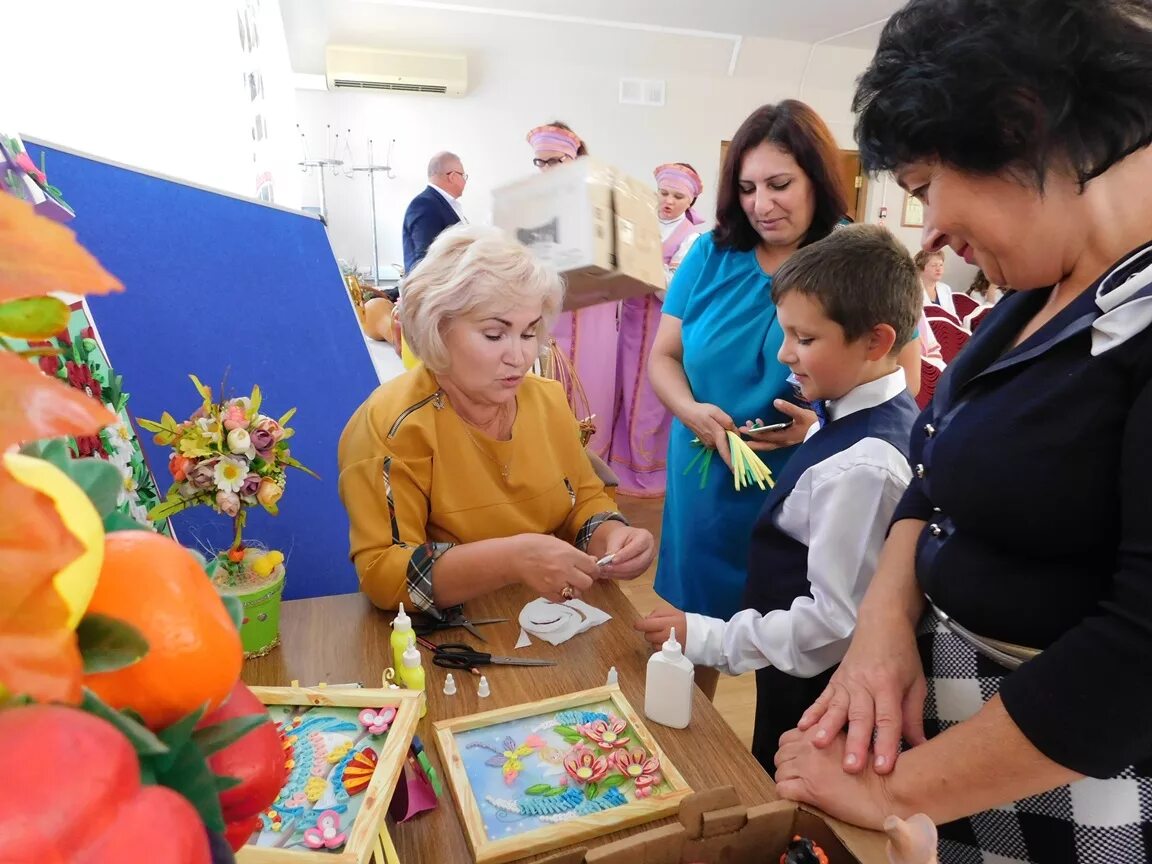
x: 350, y: 68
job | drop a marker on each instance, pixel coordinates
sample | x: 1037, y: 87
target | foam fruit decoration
x: 256, y: 760
x: 72, y: 794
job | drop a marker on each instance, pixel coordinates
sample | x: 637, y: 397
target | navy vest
x: 778, y: 564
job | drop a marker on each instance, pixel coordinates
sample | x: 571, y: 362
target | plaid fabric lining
x: 584, y: 535
x: 387, y: 477
x: 1088, y: 822
x: 420, y: 567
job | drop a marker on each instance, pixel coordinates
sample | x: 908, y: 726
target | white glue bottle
x: 668, y: 686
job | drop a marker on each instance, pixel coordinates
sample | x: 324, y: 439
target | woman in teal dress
x: 714, y: 362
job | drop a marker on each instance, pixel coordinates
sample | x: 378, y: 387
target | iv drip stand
x: 372, y: 170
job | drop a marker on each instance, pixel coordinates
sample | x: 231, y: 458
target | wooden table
x: 344, y: 639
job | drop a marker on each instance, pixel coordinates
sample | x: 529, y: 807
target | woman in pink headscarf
x: 586, y: 337
x: 640, y: 429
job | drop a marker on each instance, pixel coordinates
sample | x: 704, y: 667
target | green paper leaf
x: 147, y: 745
x: 212, y: 739
x: 188, y: 773
x: 119, y: 521
x: 564, y: 730
x: 54, y: 450
x: 235, y: 609
x: 255, y: 401
x: 108, y: 644
x: 177, y: 737
x: 288, y: 415
x: 539, y: 789
x: 100, y: 480
x: 223, y: 784
x: 288, y: 460
x: 555, y: 790
x: 33, y: 317
x: 613, y: 781
x: 591, y: 791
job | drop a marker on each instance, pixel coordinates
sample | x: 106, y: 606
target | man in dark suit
x: 435, y: 208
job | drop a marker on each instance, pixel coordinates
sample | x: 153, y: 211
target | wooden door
x: 855, y: 185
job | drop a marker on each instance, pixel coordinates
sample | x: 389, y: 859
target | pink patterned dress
x: 639, y: 444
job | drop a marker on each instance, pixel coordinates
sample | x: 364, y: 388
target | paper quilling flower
x: 584, y: 766
x: 606, y: 733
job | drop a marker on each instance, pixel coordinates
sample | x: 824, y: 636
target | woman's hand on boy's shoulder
x: 657, y: 625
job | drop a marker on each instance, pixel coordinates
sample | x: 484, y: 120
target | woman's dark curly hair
x: 796, y: 129
x: 1025, y: 86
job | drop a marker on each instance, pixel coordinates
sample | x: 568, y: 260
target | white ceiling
x: 702, y: 33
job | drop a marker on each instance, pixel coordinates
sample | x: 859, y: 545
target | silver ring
x: 568, y: 593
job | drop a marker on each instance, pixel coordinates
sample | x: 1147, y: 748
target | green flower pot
x: 260, y: 597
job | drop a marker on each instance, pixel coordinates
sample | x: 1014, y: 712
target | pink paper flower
x: 606, y: 733
x: 584, y: 766
x: 267, y: 424
x: 377, y: 722
x: 228, y: 502
x: 234, y: 418
x: 639, y: 767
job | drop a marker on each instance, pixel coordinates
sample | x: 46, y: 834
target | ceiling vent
x: 351, y: 68
x: 641, y: 91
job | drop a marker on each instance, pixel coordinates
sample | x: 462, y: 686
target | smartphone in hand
x: 772, y: 427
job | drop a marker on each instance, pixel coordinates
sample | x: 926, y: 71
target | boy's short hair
x: 862, y: 276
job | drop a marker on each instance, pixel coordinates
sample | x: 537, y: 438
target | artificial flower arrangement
x: 230, y: 457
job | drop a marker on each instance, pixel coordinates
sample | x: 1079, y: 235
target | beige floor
x: 735, y: 697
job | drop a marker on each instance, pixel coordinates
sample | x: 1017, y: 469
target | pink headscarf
x: 554, y: 139
x: 678, y: 177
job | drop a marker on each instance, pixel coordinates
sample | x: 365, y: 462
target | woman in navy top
x: 1010, y: 619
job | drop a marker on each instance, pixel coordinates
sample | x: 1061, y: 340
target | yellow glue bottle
x: 401, y: 634
x: 412, y: 672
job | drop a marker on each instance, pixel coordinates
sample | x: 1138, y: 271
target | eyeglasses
x: 463, y: 176
x: 550, y: 163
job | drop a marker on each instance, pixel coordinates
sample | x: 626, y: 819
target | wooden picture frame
x: 363, y: 832
x: 663, y: 798
x: 912, y: 214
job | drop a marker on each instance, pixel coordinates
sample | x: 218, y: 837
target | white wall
x: 884, y: 191
x: 151, y: 84
x: 487, y: 127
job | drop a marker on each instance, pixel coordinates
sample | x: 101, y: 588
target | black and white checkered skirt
x: 1088, y: 822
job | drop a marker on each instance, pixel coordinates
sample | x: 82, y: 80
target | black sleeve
x: 1086, y: 702
x: 426, y: 227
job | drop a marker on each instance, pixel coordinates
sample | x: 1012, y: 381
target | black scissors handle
x: 455, y: 655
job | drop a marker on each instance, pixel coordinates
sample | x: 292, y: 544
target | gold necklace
x: 504, y: 468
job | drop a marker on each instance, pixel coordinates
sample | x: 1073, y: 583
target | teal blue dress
x: 731, y: 338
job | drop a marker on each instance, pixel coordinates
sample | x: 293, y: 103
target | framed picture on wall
x: 913, y: 213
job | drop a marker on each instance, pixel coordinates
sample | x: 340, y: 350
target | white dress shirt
x: 840, y: 509
x: 454, y: 202
x: 943, y: 298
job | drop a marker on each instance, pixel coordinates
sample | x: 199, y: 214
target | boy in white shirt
x: 847, y: 304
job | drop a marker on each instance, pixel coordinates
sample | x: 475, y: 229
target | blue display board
x: 233, y: 289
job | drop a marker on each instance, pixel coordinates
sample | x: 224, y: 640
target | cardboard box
x: 594, y: 224
x: 715, y: 828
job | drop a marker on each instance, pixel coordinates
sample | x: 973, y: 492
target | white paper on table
x: 523, y: 641
x: 559, y: 622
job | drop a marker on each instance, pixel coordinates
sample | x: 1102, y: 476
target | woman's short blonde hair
x: 470, y: 268
x: 924, y: 256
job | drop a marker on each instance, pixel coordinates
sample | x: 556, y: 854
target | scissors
x: 425, y: 625
x: 455, y: 655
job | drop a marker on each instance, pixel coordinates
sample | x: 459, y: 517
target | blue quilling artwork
x: 561, y: 772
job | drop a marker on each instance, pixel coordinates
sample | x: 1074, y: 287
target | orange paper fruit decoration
x: 194, y: 654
